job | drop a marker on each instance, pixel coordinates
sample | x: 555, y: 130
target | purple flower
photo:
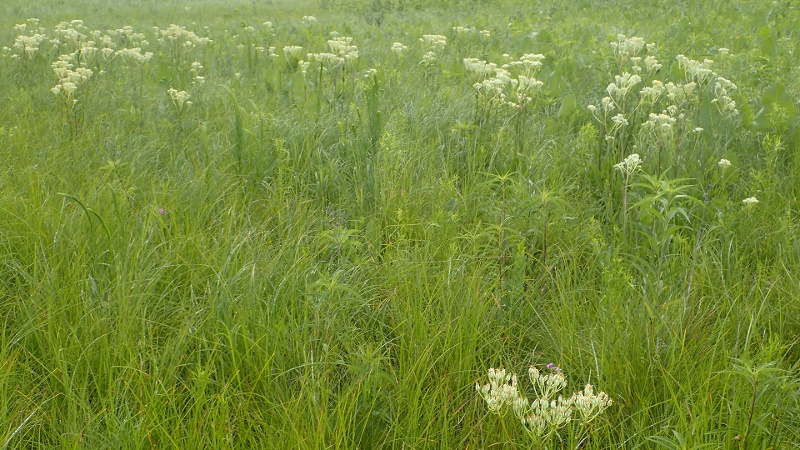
x: 161, y: 211
x: 554, y: 368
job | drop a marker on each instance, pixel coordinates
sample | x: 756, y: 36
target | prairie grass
x: 291, y: 254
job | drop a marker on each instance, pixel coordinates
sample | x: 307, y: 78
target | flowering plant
x: 548, y: 411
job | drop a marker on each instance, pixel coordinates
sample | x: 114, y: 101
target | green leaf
x: 569, y: 106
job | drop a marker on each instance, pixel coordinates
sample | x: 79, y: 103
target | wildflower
x: 343, y: 47
x: 629, y: 164
x: 290, y: 52
x: 589, y: 405
x: 134, y: 55
x: 660, y: 122
x: 553, y: 367
x: 608, y: 104
x: 529, y: 62
x: 625, y: 82
x: 699, y: 71
x: 486, y: 34
x: 619, y: 120
x: 461, y: 30
x: 179, y: 98
x: 69, y: 79
x: 308, y: 20
x: 546, y: 385
x: 654, y: 92
x: 651, y: 64
x: 303, y: 66
x: 500, y: 391
x: 626, y: 47
x: 724, y: 164
x: 436, y: 42
x: 750, y: 202
x: 398, y: 48
x: 546, y: 413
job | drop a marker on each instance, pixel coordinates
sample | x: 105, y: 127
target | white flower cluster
x: 328, y: 60
x: 343, y: 47
x: 342, y: 51
x: 619, y: 121
x: 654, y: 92
x: 179, y: 98
x: 629, y: 165
x: 68, y: 79
x: 542, y: 416
x: 622, y: 86
x: 721, y: 88
x: 660, y: 124
x: 435, y: 42
x: 309, y: 20
x: 70, y: 34
x: 546, y: 385
x: 428, y: 58
x: 696, y: 70
x: 177, y: 35
x: 480, y: 67
x: 500, y: 391
x: 750, y: 202
x: 588, y: 404
x: 498, y: 80
x: 651, y: 64
x: 671, y: 103
x: 303, y: 65
x: 291, y: 51
x: 701, y: 74
x: 134, y: 55
x: 628, y: 47
x: 28, y: 45
x: 398, y: 48
x: 461, y: 30
x: 493, y: 87
x: 127, y: 36
x: 195, y: 71
x: 529, y: 64
x: 546, y: 413
x: 523, y: 87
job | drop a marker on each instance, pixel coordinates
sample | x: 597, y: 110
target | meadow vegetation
x: 322, y: 224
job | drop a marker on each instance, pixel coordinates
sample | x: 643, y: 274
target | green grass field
x: 212, y: 239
